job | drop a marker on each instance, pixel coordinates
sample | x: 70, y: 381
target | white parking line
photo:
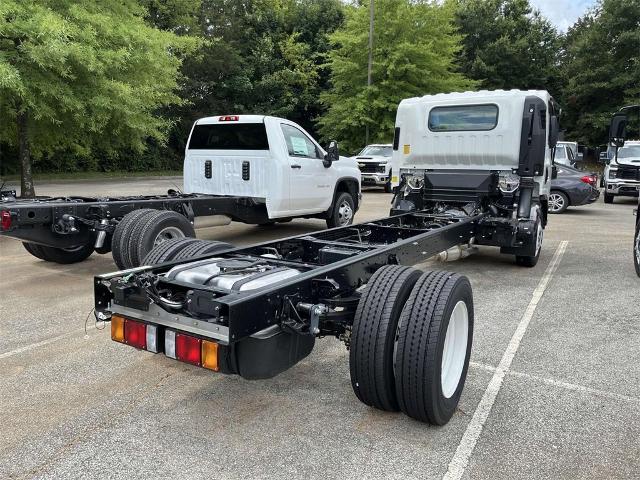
x: 469, y: 440
x: 31, y: 346
x: 558, y: 383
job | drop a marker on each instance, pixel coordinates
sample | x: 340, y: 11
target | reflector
x: 210, y: 355
x: 170, y: 343
x: 135, y: 334
x: 152, y: 338
x: 188, y: 349
x: 117, y: 328
x: 5, y: 217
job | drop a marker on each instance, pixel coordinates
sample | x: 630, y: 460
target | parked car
x: 374, y: 162
x: 572, y: 188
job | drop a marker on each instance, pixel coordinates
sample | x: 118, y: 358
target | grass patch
x: 38, y: 177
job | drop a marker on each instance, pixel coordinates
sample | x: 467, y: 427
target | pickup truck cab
x: 374, y: 162
x: 273, y: 161
x: 622, y: 173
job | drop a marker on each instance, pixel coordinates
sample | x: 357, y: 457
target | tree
x: 413, y: 54
x: 81, y: 75
x: 601, y: 69
x: 507, y: 45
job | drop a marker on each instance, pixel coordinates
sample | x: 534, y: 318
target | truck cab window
x: 298, y: 144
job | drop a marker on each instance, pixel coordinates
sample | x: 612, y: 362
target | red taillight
x: 590, y: 179
x: 188, y: 349
x: 135, y: 334
x: 229, y: 118
x: 5, y: 219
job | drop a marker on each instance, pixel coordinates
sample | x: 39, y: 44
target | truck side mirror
x: 554, y: 171
x: 554, y: 130
x: 618, y: 129
x: 332, y: 155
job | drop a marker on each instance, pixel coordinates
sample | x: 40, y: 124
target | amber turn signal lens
x: 210, y: 355
x: 117, y: 328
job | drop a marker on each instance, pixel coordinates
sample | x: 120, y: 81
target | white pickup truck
x: 374, y: 162
x: 253, y: 169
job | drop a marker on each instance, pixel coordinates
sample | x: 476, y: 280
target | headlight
x: 508, y: 182
x: 382, y: 168
x: 612, y: 172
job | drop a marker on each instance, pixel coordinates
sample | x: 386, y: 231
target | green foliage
x: 89, y: 76
x: 413, y: 54
x: 507, y: 45
x: 601, y: 69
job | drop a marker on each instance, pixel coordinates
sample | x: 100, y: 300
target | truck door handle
x: 296, y: 166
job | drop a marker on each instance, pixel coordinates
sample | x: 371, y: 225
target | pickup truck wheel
x: 167, y: 250
x: 152, y: 230
x: 373, y: 335
x: 121, y: 235
x: 528, y: 261
x: 636, y: 248
x: 608, y: 198
x: 433, y: 346
x: 342, y: 211
x: 66, y: 255
x: 33, y: 249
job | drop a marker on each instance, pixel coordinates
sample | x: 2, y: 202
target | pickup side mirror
x: 554, y: 171
x: 618, y: 129
x: 332, y: 155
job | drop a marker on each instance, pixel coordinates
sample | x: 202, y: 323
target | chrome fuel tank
x: 231, y: 274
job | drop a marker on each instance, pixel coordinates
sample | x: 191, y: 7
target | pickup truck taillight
x: 5, y: 219
x: 229, y: 118
x: 180, y: 346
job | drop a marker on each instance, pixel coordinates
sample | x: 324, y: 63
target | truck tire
x: 636, y: 247
x: 121, y: 235
x: 387, y: 186
x: 608, y: 198
x: 373, y: 335
x: 154, y: 228
x: 33, y: 249
x: 528, y: 261
x: 202, y: 247
x: 433, y: 346
x: 167, y: 250
x: 342, y: 211
x: 66, y: 255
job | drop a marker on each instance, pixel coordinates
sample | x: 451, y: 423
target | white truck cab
x: 374, y: 162
x: 622, y: 172
x: 275, y: 163
x: 489, y: 152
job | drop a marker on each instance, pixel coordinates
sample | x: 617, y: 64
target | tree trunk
x: 27, y: 189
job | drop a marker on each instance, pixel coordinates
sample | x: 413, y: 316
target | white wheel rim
x: 455, y: 349
x: 345, y: 213
x: 637, y: 248
x: 539, y: 238
x: 556, y: 202
x: 168, y: 233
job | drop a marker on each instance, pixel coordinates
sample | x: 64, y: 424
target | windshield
x: 379, y: 150
x: 629, y: 152
x: 561, y: 153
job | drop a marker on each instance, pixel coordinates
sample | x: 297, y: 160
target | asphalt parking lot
x: 553, y: 390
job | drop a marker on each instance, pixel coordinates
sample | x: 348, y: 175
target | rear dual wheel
x: 411, y: 342
x: 140, y: 231
x: 183, y: 249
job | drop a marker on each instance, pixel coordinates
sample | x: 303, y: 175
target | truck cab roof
x: 236, y: 119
